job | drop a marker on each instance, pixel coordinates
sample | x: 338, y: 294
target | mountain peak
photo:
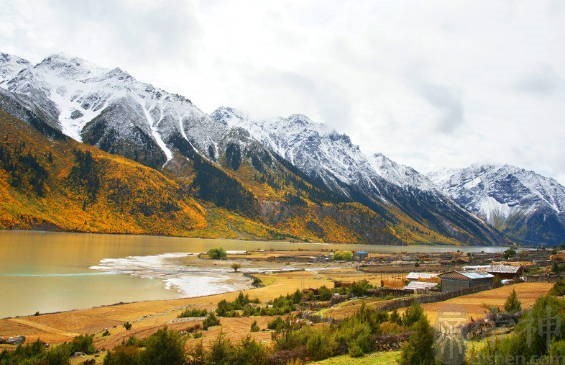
x: 510, y: 197
x: 229, y: 116
x: 10, y: 66
x: 118, y: 74
x: 70, y: 67
x: 399, y: 174
x: 299, y: 119
x: 6, y: 57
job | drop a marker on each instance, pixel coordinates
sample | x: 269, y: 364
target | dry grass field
x: 148, y: 316
x: 349, y: 275
x: 472, y: 305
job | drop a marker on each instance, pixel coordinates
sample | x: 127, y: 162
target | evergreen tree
x: 395, y: 317
x: 164, y: 347
x: 420, y: 347
x: 413, y: 314
x: 512, y: 304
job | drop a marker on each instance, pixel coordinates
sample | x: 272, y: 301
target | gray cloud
x: 428, y: 83
x: 448, y: 102
x: 541, y: 82
x: 113, y: 31
x: 328, y: 100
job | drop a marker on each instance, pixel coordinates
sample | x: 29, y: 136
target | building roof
x: 476, y: 275
x: 496, y: 269
x: 466, y: 275
x: 421, y: 275
x: 419, y: 285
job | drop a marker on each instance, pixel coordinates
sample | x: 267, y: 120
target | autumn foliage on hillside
x: 53, y: 182
x: 61, y: 184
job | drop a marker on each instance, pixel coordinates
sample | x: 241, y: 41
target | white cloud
x: 429, y: 83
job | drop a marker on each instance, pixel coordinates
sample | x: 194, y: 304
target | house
x: 499, y: 270
x: 459, y: 280
x: 419, y: 286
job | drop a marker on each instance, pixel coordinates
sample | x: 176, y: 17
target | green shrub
x: 395, y: 317
x: 257, y: 283
x: 355, y: 335
x: 241, y: 303
x: 419, y: 349
x: 217, y: 253
x: 222, y: 352
x: 512, y: 304
x: 509, y: 253
x: 359, y: 288
x: 254, y: 327
x: 193, y: 312
x: 127, y: 326
x: 82, y: 343
x: 251, y: 352
x: 324, y: 293
x: 372, y: 317
x: 210, y: 321
x: 37, y: 353
x: 534, y: 335
x: 413, y: 314
x: 163, y: 347
x: 277, y: 324
x: 558, y: 288
x: 320, y: 342
x: 123, y: 355
x: 343, y: 255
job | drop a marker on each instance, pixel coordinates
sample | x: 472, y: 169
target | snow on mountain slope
x: 503, y: 194
x: 76, y: 92
x: 398, y: 174
x: 10, y: 66
x: 492, y: 190
x: 324, y: 153
x: 333, y: 160
x: 312, y: 147
x: 113, y: 111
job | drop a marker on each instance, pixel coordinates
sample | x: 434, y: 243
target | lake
x: 54, y: 271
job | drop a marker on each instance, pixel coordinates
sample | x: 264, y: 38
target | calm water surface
x: 46, y: 271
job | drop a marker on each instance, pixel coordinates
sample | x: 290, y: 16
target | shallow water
x: 47, y: 271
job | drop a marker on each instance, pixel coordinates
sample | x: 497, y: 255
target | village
x: 312, y: 286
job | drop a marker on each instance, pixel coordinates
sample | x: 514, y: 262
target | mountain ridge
x: 527, y: 206
x: 275, y: 165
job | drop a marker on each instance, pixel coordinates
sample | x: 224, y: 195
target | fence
x: 427, y: 298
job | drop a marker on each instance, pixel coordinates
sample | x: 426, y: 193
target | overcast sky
x: 428, y: 83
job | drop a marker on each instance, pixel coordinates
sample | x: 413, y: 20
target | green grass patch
x: 382, y: 358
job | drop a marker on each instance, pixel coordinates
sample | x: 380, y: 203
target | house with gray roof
x: 459, y: 280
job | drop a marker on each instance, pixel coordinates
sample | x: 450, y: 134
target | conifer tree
x: 512, y: 304
x: 420, y: 347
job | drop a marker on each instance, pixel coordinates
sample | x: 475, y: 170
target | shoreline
x: 259, y: 239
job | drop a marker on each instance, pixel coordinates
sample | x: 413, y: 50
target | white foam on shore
x: 189, y: 281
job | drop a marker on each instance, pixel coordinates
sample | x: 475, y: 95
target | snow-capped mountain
x: 399, y: 174
x: 323, y: 154
x: 335, y: 162
x: 10, y: 66
x: 112, y: 110
x: 106, y: 107
x: 529, y: 206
